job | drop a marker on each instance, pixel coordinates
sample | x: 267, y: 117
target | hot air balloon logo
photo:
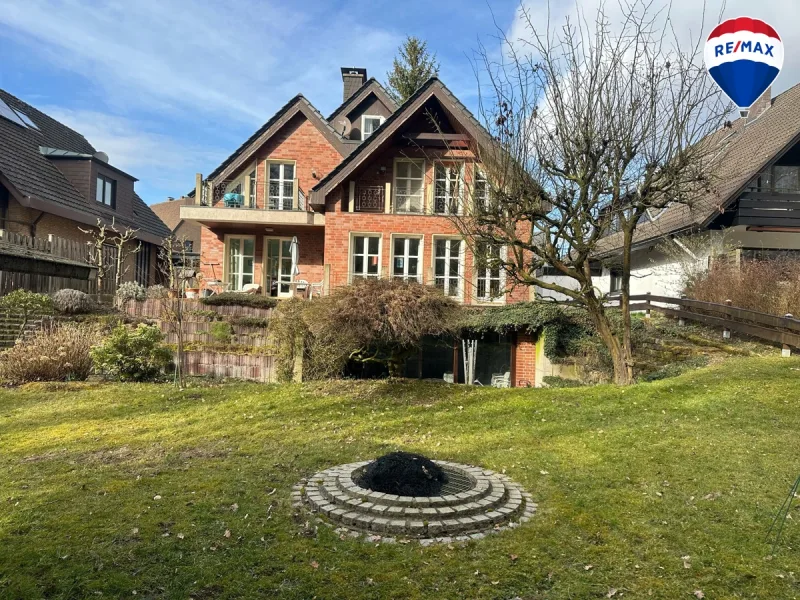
x: 744, y: 56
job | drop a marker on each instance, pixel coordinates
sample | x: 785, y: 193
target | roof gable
x: 370, y: 87
x: 295, y: 106
x: 433, y: 89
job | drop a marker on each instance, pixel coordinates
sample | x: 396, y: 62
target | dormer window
x: 369, y: 123
x: 106, y: 191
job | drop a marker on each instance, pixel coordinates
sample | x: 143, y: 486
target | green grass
x: 628, y: 481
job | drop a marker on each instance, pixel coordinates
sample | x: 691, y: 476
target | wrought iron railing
x: 230, y: 194
x: 370, y: 198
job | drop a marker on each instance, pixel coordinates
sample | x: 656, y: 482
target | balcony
x: 285, y: 205
x: 370, y: 199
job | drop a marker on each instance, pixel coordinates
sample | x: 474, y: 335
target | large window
x: 241, y: 261
x: 481, y: 191
x: 490, y: 276
x: 366, y: 256
x: 409, y: 185
x: 447, y: 189
x: 279, y: 266
x: 780, y: 179
x: 106, y: 191
x: 280, y: 186
x: 448, y: 265
x: 407, y: 258
x: 369, y: 123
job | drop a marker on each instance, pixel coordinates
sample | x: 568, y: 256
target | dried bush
x: 72, y: 302
x: 133, y: 354
x: 770, y: 286
x: 131, y: 290
x: 156, y: 292
x: 57, y: 352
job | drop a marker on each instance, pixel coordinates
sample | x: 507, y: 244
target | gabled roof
x: 746, y: 149
x: 36, y: 182
x: 170, y: 211
x: 295, y: 106
x: 433, y: 88
x: 371, y: 86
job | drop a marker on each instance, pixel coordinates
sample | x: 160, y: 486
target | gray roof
x: 34, y: 175
x: 746, y: 149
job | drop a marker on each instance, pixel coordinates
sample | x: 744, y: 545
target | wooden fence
x: 251, y: 367
x: 780, y: 330
x: 154, y: 308
x: 201, y: 332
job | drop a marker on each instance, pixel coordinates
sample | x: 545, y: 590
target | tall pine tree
x: 412, y: 67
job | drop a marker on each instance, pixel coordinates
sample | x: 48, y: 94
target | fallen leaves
x: 588, y: 567
x: 314, y: 564
x: 698, y: 594
x: 686, y: 563
x: 611, y: 592
x: 227, y: 533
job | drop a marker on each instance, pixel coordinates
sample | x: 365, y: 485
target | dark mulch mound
x: 404, y: 474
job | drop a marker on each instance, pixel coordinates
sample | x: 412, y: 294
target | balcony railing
x: 370, y: 198
x: 227, y: 195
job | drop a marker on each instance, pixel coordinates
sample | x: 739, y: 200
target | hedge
x: 238, y: 299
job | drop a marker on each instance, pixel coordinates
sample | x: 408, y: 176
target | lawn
x: 662, y: 490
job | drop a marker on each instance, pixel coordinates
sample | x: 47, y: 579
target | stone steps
x: 493, y: 503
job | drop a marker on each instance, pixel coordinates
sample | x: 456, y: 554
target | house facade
x: 367, y: 192
x: 751, y: 212
x: 53, y: 184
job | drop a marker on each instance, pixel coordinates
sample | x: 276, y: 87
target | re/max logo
x: 741, y: 46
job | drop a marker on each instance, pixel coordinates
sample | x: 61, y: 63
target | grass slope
x: 628, y: 481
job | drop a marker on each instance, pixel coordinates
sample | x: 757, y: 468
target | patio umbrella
x: 294, y: 250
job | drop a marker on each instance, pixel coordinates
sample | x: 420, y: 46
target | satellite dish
x: 343, y: 127
x: 101, y: 156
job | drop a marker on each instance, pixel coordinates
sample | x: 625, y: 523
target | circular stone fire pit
x: 472, y: 503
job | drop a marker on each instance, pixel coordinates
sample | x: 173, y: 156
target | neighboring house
x: 188, y: 231
x: 752, y: 212
x: 366, y: 192
x: 53, y: 183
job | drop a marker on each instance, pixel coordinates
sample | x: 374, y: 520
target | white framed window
x: 106, y: 191
x: 407, y: 257
x: 241, y: 259
x: 480, y: 192
x: 365, y: 255
x: 490, y: 277
x: 280, y: 185
x: 448, y: 265
x: 369, y: 123
x: 447, y: 185
x: 252, y: 192
x: 278, y: 265
x: 409, y: 185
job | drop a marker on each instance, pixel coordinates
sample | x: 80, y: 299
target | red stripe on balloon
x: 743, y: 24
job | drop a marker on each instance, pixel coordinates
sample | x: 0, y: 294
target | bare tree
x: 593, y: 127
x: 110, y: 236
x: 172, y: 261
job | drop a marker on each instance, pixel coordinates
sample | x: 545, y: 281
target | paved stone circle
x: 488, y: 503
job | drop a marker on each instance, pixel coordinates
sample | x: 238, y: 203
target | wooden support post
x: 726, y: 333
x: 351, y: 197
x: 326, y: 280
x: 647, y: 311
x: 387, y: 198
x: 681, y: 320
x: 198, y: 188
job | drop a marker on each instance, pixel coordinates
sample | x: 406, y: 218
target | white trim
x: 499, y: 299
x: 461, y: 264
x: 351, y: 256
x: 419, y: 161
x: 448, y: 182
x: 265, y: 258
x: 282, y: 180
x: 420, y: 255
x: 226, y: 259
x: 364, y: 120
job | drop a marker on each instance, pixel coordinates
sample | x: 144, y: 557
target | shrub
x: 27, y: 303
x: 221, y: 332
x: 238, y: 299
x: 57, y: 352
x: 156, y: 292
x: 131, y: 290
x: 133, y: 354
x: 72, y: 302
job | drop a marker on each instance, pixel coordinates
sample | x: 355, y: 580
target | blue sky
x: 169, y: 88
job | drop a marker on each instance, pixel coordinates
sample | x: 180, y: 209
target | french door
x: 279, y: 266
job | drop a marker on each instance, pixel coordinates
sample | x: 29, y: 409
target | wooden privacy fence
x: 780, y: 330
x: 252, y: 367
x: 154, y: 307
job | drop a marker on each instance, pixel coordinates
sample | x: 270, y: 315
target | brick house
x: 53, y: 183
x: 366, y: 193
x: 188, y: 231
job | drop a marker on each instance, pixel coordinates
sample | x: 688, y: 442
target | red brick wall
x: 525, y: 361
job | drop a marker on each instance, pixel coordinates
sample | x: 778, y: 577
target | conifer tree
x: 412, y: 67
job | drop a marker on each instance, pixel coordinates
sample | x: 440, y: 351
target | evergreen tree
x: 412, y: 67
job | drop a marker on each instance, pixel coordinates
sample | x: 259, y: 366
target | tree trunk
x: 621, y: 357
x: 625, y: 301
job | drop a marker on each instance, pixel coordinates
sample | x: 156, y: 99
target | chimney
x: 759, y: 106
x: 353, y: 78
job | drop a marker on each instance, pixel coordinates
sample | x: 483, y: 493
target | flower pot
x: 192, y: 293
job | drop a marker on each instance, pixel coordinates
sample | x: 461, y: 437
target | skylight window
x: 16, y: 116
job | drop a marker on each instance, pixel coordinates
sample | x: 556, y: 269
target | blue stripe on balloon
x: 743, y: 80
